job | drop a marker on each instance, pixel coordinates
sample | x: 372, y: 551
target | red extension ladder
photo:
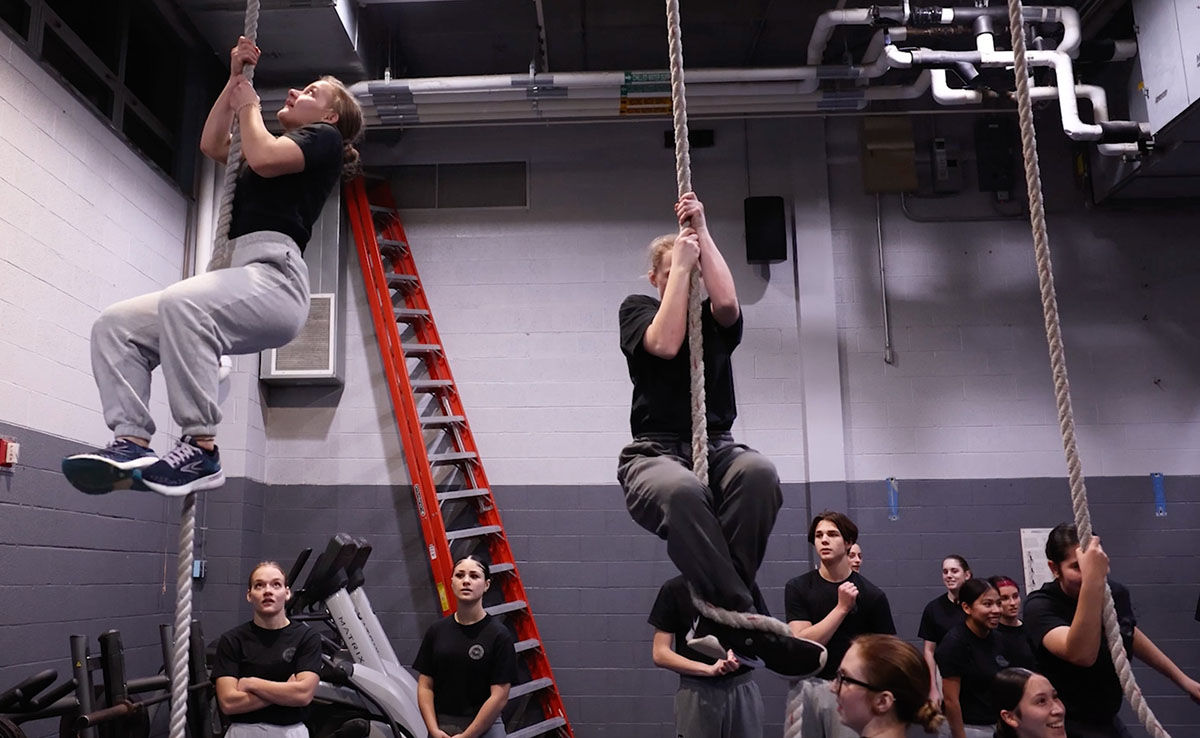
x: 449, y: 483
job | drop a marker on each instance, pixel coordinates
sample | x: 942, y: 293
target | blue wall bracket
x: 893, y: 499
x: 1160, y: 495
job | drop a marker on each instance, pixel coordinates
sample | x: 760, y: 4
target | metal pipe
x: 83, y: 679
x: 889, y: 354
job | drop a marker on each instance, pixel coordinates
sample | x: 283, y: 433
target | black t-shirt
x: 290, y: 203
x: 465, y: 661
x: 976, y: 661
x: 939, y: 616
x: 662, y: 387
x: 1093, y: 693
x: 811, y: 597
x: 674, y: 613
x: 253, y: 651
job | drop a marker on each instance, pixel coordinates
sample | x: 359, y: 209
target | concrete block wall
x: 525, y: 300
x: 77, y: 565
x: 84, y: 222
x: 526, y: 303
x: 971, y: 393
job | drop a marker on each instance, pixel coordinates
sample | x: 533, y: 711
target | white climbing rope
x: 221, y: 258
x: 180, y: 676
x: 756, y: 621
x: 221, y: 254
x: 683, y: 175
x: 1058, y: 365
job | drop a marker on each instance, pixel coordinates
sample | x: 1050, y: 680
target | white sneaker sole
x: 139, y: 463
x: 199, y: 485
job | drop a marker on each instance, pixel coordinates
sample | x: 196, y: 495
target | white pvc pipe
x: 1075, y: 129
x: 947, y: 95
x: 826, y: 22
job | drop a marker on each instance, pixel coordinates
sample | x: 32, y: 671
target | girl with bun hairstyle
x: 882, y: 688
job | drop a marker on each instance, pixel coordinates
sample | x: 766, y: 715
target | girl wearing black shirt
x: 1029, y: 705
x: 254, y: 300
x: 467, y: 662
x: 940, y: 615
x: 266, y: 670
x: 970, y: 656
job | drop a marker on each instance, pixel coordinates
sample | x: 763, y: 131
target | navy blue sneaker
x: 187, y: 468
x: 108, y: 468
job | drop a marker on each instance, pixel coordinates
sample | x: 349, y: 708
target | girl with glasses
x: 882, y: 688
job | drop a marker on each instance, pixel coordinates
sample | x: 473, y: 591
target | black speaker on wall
x: 766, y: 230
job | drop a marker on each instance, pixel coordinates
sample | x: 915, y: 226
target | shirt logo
x: 475, y: 651
x: 289, y: 654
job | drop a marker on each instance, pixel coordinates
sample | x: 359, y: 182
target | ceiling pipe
x: 721, y: 93
x: 712, y: 99
x: 1076, y: 129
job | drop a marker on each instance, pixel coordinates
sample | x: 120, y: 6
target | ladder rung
x: 401, y: 281
x: 504, y: 607
x: 452, y: 457
x: 421, y: 348
x: 532, y: 685
x: 482, y: 530
x: 436, y: 421
x: 541, y: 728
x: 409, y: 315
x: 431, y: 385
x: 391, y: 243
x: 498, y: 568
x: 527, y: 645
x: 382, y: 209
x: 462, y: 494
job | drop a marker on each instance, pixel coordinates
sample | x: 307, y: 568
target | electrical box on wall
x: 997, y: 150
x: 945, y: 171
x: 888, y: 154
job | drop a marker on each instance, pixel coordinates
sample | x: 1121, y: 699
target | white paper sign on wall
x: 1033, y: 558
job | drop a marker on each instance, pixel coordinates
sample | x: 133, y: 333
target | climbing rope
x: 755, y: 621
x: 1058, y: 365
x: 683, y: 175
x: 222, y: 256
x: 180, y: 676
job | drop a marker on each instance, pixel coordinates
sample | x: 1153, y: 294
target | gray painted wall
x: 70, y: 563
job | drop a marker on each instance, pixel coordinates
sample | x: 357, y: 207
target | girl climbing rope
x: 257, y: 300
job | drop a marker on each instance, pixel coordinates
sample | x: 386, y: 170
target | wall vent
x: 500, y: 184
x: 311, y: 356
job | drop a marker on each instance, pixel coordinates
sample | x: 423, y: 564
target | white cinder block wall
x: 526, y: 302
x: 971, y: 395
x: 85, y: 222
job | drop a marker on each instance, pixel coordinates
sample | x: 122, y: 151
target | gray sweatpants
x: 259, y: 302
x: 717, y: 533
x: 710, y: 708
x: 266, y: 730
